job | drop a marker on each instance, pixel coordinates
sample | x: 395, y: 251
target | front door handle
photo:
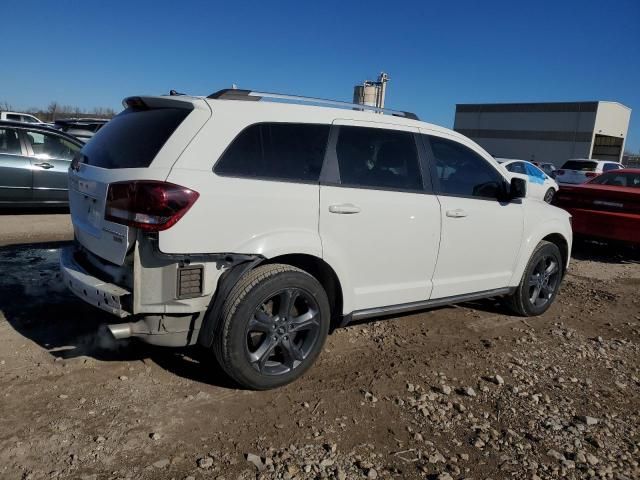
x: 457, y: 213
x: 44, y: 165
x: 345, y: 208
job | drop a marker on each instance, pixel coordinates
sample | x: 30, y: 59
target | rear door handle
x: 345, y: 208
x: 457, y: 213
x: 44, y: 165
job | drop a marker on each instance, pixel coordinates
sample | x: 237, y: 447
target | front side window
x: 378, y: 158
x: 278, y: 151
x: 9, y: 142
x: 45, y: 145
x: 462, y: 172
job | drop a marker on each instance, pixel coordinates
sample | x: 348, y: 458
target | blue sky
x: 93, y: 53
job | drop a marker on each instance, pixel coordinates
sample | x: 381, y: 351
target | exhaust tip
x: 120, y: 330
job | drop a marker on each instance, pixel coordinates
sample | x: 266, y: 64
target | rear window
x: 133, y: 138
x: 581, y: 165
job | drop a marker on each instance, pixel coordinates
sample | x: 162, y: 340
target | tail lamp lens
x: 591, y: 174
x: 148, y: 205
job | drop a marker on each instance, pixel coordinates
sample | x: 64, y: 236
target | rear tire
x: 273, y: 327
x: 540, y: 282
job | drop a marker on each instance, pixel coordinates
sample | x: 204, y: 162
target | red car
x: 607, y: 207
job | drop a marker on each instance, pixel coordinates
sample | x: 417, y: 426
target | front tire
x: 540, y: 282
x: 273, y: 327
x: 548, y: 196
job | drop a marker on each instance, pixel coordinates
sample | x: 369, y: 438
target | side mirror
x: 517, y: 188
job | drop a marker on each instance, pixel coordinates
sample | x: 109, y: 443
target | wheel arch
x: 323, y: 273
x: 563, y: 245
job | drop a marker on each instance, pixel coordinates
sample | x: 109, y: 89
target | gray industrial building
x: 547, y: 132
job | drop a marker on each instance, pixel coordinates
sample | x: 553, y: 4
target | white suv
x: 580, y: 170
x: 254, y: 227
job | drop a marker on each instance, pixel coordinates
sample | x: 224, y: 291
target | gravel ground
x: 457, y: 392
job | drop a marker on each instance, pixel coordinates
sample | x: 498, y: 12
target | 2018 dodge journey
x: 253, y: 223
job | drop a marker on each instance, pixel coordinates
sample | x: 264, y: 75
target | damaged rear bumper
x: 106, y: 296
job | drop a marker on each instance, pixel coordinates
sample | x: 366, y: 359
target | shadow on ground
x: 605, y: 252
x: 37, y: 305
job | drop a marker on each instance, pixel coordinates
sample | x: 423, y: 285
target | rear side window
x: 378, y: 158
x: 516, y: 167
x: 607, y: 167
x: 278, y: 151
x: 9, y: 142
x: 133, y: 138
x: 462, y: 172
x: 580, y: 165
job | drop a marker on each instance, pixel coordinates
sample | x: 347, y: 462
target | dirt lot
x: 459, y: 392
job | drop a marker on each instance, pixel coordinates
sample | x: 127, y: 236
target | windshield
x: 617, y: 179
x: 581, y: 165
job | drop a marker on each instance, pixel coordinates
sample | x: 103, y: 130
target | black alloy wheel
x: 283, y: 331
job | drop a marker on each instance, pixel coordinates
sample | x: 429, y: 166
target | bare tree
x: 52, y: 109
x: 6, y: 106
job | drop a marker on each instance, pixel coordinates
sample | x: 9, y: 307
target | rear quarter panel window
x: 278, y: 151
x: 133, y: 138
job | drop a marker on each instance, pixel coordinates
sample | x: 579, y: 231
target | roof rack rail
x: 252, y: 95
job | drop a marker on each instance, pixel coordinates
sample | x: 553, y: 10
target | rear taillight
x: 148, y: 205
x: 590, y: 174
x: 560, y: 172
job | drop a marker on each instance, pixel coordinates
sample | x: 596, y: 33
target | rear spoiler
x: 174, y: 101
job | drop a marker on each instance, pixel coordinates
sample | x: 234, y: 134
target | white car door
x: 378, y: 222
x: 481, y: 235
x: 537, y: 181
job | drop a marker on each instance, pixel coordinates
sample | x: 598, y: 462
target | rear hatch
x: 135, y: 151
x: 577, y: 171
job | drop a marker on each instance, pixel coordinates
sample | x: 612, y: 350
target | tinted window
x: 9, y: 142
x: 516, y: 167
x: 45, y: 145
x: 280, y: 151
x: 378, y: 158
x: 618, y: 179
x: 534, y: 171
x: 133, y: 138
x: 581, y: 165
x: 607, y: 167
x: 461, y: 171
x: 13, y: 116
